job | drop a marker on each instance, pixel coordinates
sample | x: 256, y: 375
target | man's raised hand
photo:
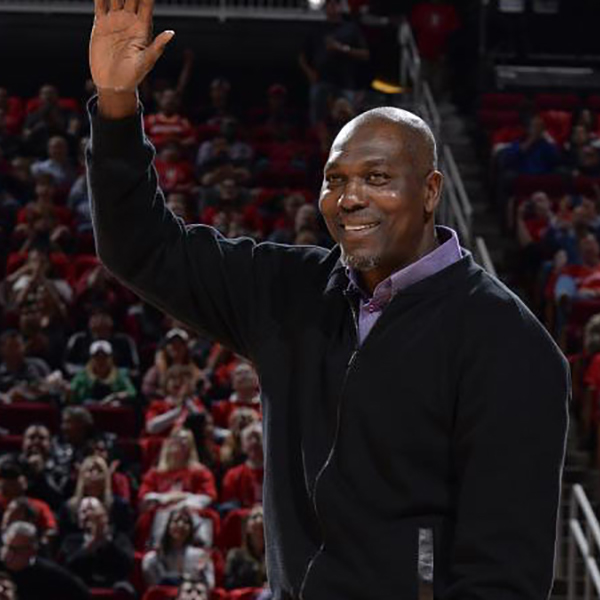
x: 122, y: 50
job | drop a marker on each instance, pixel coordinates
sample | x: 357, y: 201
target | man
x: 427, y: 408
x: 36, y: 577
x: 331, y: 61
x: 21, y: 377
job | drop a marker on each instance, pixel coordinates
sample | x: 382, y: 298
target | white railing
x: 220, y: 9
x: 584, y: 539
x: 410, y: 62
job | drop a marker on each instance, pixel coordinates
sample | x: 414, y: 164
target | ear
x: 433, y: 191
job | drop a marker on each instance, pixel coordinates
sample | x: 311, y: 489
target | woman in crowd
x: 245, y: 566
x: 95, y: 480
x: 176, y: 556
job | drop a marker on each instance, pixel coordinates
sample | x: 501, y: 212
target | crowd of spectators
x: 545, y: 169
x: 131, y: 448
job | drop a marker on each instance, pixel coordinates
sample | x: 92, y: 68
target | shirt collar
x: 440, y: 257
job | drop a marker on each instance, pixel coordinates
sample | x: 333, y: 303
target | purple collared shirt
x: 439, y: 258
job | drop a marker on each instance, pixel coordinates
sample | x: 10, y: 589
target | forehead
x: 369, y: 141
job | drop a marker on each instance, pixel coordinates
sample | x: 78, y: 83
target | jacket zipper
x: 331, y: 450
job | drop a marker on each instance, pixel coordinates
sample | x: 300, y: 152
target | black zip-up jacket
x: 450, y: 419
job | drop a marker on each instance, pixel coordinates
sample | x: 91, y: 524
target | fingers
x: 116, y: 4
x: 100, y: 7
x: 145, y: 9
x: 130, y: 6
x: 157, y: 47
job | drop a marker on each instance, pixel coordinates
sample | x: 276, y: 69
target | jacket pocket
x: 425, y: 563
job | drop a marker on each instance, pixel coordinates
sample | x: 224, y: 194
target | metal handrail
x: 410, y: 61
x: 586, y: 540
x: 219, y: 9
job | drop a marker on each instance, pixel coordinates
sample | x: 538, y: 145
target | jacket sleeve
x: 191, y: 272
x: 508, y: 448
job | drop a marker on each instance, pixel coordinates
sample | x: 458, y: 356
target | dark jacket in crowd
x: 448, y: 423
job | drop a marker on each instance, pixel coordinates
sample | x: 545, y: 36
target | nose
x: 352, y: 197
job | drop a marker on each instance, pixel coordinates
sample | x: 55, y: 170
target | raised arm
x: 191, y: 272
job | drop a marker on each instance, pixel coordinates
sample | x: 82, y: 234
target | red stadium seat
x: 115, y: 419
x: 231, y: 529
x: 17, y: 417
x: 503, y: 101
x: 104, y: 594
x: 249, y: 593
x: 160, y: 592
x: 557, y: 101
x: 585, y: 185
x: 593, y: 102
x: 558, y: 124
x: 552, y: 184
x: 10, y: 443
x: 70, y: 104
x: 494, y: 119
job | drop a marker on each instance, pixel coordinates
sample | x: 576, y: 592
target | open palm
x: 121, y: 49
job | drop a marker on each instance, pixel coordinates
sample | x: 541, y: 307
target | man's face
x: 57, y: 148
x: 48, y: 94
x: 169, y: 102
x: 17, y: 552
x: 374, y: 196
x: 36, y: 440
x: 191, y: 590
x: 589, y: 248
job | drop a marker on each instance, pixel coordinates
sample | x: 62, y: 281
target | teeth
x: 359, y: 227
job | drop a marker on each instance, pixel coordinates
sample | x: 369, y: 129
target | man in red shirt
x: 168, y: 125
x: 244, y: 482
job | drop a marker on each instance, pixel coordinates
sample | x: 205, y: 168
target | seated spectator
x: 245, y: 566
x: 536, y: 153
x: 577, y: 282
x: 179, y: 478
x: 168, y: 125
x: 246, y: 392
x: 78, y: 435
x: 226, y: 148
x: 101, y: 382
x: 46, y: 121
x: 232, y: 453
x: 21, y: 378
x: 191, y: 589
x: 284, y: 228
x: 339, y: 114
x: 95, y: 480
x: 219, y: 106
x: 8, y: 588
x: 98, y: 553
x: 44, y: 477
x: 34, y: 576
x: 78, y: 200
x: 174, y: 350
x: 41, y: 341
x: 44, y: 217
x: 276, y: 117
x: 182, y: 205
x: 58, y: 165
x: 175, y: 172
x: 101, y: 327
x: 164, y: 415
x: 242, y: 485
x: 38, y: 287
x: 120, y: 479
x: 581, y: 137
x: 176, y: 556
x: 13, y: 487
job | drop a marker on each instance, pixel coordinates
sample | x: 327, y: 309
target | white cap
x: 100, y: 346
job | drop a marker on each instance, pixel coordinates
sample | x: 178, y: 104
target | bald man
x: 415, y: 410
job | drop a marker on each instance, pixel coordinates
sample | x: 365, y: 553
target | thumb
x: 155, y: 50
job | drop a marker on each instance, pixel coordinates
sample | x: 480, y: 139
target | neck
x: 371, y: 279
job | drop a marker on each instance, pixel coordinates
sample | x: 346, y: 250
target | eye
x: 333, y: 178
x: 377, y: 178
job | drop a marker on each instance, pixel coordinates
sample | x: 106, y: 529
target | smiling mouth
x: 359, y: 227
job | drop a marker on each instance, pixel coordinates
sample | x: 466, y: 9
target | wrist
x: 116, y: 103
